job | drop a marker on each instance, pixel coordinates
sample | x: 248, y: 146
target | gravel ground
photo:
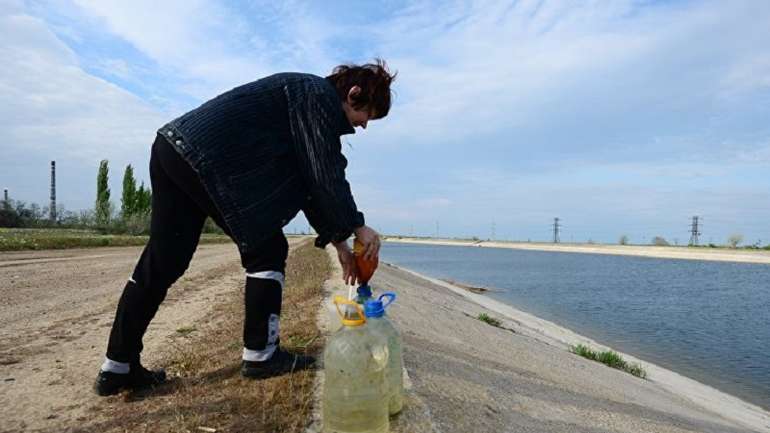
x: 57, y: 309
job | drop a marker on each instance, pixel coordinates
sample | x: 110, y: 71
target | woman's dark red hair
x: 374, y: 80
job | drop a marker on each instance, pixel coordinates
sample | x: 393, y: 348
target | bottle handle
x: 341, y: 300
x: 391, y: 297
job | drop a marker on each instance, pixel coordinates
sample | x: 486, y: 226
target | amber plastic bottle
x: 365, y: 267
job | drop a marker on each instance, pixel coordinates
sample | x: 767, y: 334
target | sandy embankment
x: 467, y: 376
x: 712, y: 254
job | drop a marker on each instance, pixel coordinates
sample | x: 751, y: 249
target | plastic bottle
x: 379, y: 322
x: 355, y: 395
x: 364, y: 267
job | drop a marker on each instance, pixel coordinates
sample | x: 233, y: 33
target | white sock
x: 259, y: 355
x: 268, y: 275
x: 273, y: 330
x: 115, y: 367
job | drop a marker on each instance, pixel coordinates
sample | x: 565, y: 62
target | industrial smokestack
x: 52, y: 211
x: 5, y: 194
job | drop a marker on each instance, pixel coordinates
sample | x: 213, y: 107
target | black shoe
x: 138, y: 377
x: 280, y: 363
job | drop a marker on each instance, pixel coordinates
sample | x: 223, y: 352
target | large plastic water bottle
x: 378, y: 322
x: 355, y: 395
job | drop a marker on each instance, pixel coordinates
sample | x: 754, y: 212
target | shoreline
x: 680, y: 253
x: 707, y: 397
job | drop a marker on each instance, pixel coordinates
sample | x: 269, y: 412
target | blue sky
x: 621, y: 117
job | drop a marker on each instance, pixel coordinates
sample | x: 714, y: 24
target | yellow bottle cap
x: 346, y: 320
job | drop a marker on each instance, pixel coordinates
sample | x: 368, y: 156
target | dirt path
x: 56, y: 309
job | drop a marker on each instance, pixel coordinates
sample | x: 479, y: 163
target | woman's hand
x: 348, y: 262
x: 370, y: 240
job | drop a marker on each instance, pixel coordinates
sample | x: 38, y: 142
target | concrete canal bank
x: 468, y: 376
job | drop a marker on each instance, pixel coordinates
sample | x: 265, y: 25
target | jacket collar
x: 343, y: 124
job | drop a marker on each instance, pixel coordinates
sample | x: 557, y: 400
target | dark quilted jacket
x: 267, y: 150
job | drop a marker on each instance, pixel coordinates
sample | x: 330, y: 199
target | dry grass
x: 207, y: 392
x: 57, y: 239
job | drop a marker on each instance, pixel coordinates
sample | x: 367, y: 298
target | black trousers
x: 180, y: 205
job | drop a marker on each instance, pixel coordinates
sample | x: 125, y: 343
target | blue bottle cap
x: 373, y: 308
x: 376, y: 307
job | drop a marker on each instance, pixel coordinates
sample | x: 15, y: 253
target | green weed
x: 484, y: 317
x: 610, y: 358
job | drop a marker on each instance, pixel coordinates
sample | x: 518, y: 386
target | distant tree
x: 623, y: 240
x: 27, y: 215
x: 734, y: 240
x: 660, y: 241
x: 103, y: 207
x: 128, y: 199
x: 143, y: 200
x: 86, y: 218
x: 15, y: 213
x: 35, y: 215
x: 8, y: 215
x: 60, y: 211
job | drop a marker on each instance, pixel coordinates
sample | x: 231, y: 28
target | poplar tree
x: 143, y: 199
x: 103, y: 207
x: 129, y: 200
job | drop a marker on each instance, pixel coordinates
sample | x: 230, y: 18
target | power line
x: 556, y: 230
x: 694, y: 231
x: 52, y: 210
x: 493, y: 230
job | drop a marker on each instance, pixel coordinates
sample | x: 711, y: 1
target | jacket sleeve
x: 331, y: 211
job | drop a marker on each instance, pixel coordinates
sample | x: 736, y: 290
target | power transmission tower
x: 52, y: 210
x: 493, y: 231
x: 695, y: 231
x: 556, y: 227
x: 436, y: 229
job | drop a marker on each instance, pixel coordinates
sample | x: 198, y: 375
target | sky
x: 618, y: 117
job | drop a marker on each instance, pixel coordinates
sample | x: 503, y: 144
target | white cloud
x: 52, y: 109
x: 489, y: 67
x: 504, y: 109
x: 208, y: 47
x: 751, y: 74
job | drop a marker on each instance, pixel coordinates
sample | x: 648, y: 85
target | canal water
x: 706, y: 320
